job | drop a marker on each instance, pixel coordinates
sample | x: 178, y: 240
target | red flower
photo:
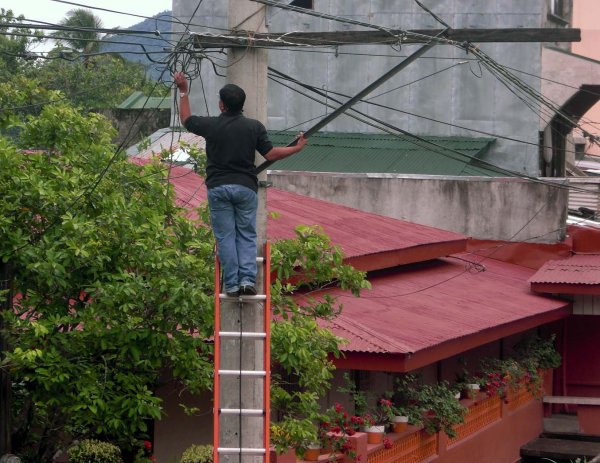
x: 336, y: 429
x: 386, y: 402
x: 152, y: 458
x: 147, y: 445
x: 338, y: 407
x: 350, y: 431
x: 387, y: 443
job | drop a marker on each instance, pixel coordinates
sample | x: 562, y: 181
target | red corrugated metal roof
x: 577, y: 269
x: 578, y: 274
x: 432, y: 304
x: 369, y: 241
x: 416, y: 314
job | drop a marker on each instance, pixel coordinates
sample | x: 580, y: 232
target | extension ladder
x: 220, y: 338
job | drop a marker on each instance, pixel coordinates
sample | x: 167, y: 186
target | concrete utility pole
x: 248, y: 69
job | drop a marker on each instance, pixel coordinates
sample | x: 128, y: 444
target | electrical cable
x: 415, y: 138
x: 174, y: 21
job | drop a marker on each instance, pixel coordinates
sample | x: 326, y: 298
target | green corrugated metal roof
x: 137, y: 100
x: 383, y: 153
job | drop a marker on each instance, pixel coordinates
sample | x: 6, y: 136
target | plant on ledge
x: 441, y: 411
x: 532, y: 356
x: 405, y: 399
x: 338, y: 424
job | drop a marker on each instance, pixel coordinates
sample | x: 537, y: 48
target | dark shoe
x: 247, y: 290
x: 232, y: 293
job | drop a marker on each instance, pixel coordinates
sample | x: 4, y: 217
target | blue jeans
x: 233, y: 217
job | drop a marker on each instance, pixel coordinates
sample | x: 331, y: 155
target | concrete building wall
x: 586, y: 16
x: 459, y: 92
x: 132, y: 127
x: 480, y: 207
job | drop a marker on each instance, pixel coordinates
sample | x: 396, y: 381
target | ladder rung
x: 243, y: 334
x: 243, y: 372
x: 238, y: 450
x: 242, y: 411
x: 258, y: 297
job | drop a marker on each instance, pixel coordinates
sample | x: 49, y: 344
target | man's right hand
x: 181, y: 81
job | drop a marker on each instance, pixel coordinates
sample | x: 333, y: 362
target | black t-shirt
x: 231, y: 140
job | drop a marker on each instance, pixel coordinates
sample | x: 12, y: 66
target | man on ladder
x: 231, y: 140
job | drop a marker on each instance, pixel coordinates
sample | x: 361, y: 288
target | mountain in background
x: 155, y: 45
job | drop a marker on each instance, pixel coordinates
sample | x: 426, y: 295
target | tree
x: 82, y: 32
x: 102, y: 81
x: 115, y: 286
x: 14, y: 45
x: 111, y: 292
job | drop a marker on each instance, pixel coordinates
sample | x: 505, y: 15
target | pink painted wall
x: 586, y: 16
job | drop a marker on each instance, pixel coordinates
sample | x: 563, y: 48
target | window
x: 308, y: 4
x: 556, y: 8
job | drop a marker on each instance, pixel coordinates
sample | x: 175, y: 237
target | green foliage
x: 441, y: 410
x: 198, y: 454
x: 102, y: 81
x: 531, y: 356
x: 94, y: 451
x: 20, y: 97
x: 14, y: 48
x: 296, y: 433
x: 301, y: 348
x: 116, y: 285
x: 312, y: 263
x: 538, y: 352
x: 112, y: 290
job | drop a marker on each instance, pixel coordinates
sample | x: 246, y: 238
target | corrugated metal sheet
x: 577, y: 269
x: 590, y: 198
x: 379, y: 153
x: 137, y: 100
x: 424, y: 305
x: 409, y: 308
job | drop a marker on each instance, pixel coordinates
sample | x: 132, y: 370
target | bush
x: 198, y: 454
x: 94, y: 451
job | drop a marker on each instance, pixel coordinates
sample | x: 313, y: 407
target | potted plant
x: 335, y: 431
x: 442, y: 412
x: 377, y: 419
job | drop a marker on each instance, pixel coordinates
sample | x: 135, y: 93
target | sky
x: 53, y: 11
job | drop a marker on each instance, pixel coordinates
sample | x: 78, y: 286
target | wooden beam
x: 299, y: 39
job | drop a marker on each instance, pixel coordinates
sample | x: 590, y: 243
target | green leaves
x: 111, y: 292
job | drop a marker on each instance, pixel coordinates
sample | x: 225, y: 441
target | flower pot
x: 312, y: 452
x: 471, y: 391
x: 375, y: 434
x: 399, y: 423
